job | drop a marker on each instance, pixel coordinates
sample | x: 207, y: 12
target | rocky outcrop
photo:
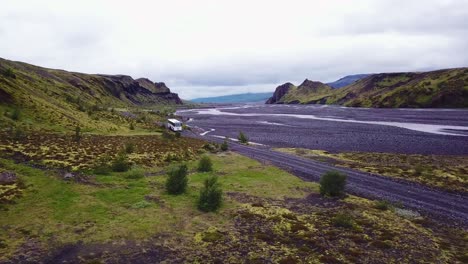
x: 280, y: 91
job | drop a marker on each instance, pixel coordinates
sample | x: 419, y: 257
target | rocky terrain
x: 442, y: 89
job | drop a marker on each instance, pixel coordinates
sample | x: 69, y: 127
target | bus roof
x: 174, y: 120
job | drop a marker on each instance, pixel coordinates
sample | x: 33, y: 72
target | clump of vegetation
x: 383, y: 205
x: 418, y: 170
x: 343, y: 220
x: 141, y: 204
x: 132, y: 126
x: 332, y: 184
x: 135, y: 173
x: 211, y: 195
x: 205, y: 164
x: 77, y: 136
x: 15, y: 114
x: 225, y: 145
x: 177, y: 180
x: 177, y: 134
x: 167, y: 135
x: 243, y: 138
x: 9, y: 73
x: 121, y: 163
x: 102, y: 167
x: 129, y: 147
x: 211, y: 147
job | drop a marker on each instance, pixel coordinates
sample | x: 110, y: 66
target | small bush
x: 77, y: 134
x: 213, y: 148
x: 120, y: 163
x: 177, y: 180
x: 343, y: 220
x: 332, y: 184
x: 129, y: 147
x: 211, y: 195
x: 141, y: 204
x: 102, y: 167
x: 9, y: 73
x: 225, y: 145
x: 132, y: 126
x: 383, y: 205
x: 243, y: 138
x: 15, y: 114
x: 135, y: 174
x: 205, y: 164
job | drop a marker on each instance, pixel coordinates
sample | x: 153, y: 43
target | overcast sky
x: 203, y: 48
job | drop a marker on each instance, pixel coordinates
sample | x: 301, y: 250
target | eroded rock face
x: 279, y: 93
x: 8, y: 177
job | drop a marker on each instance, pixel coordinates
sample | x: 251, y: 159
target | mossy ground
x: 268, y: 215
x: 446, y: 172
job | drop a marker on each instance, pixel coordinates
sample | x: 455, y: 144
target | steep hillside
x: 234, y: 98
x: 347, y: 80
x: 50, y: 97
x: 307, y: 91
x: 442, y: 88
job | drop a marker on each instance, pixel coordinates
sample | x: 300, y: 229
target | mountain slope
x: 442, y: 88
x: 63, y: 98
x: 307, y: 91
x: 347, y: 80
x: 234, y: 98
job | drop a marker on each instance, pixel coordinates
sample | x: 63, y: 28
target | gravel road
x: 426, y: 131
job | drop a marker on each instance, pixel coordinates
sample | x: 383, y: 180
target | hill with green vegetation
x: 56, y: 99
x: 443, y: 88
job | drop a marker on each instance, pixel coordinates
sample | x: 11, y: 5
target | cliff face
x: 279, y: 93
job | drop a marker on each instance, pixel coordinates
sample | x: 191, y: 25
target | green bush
x: 225, y: 145
x: 77, y: 134
x: 102, y: 167
x: 205, y: 164
x: 141, y: 204
x: 129, y: 147
x: 332, y: 183
x: 243, y: 138
x: 120, y: 163
x: 177, y: 180
x: 132, y: 126
x: 343, y: 220
x: 383, y: 205
x: 15, y: 114
x: 9, y: 73
x: 135, y: 174
x: 211, y: 195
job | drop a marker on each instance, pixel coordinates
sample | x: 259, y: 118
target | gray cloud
x: 203, y: 48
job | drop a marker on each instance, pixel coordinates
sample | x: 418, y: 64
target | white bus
x: 174, y: 125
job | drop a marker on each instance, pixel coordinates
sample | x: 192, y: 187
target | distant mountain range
x: 235, y: 98
x: 347, y: 80
x: 441, y: 88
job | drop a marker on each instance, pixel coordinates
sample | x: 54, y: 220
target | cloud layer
x: 203, y: 48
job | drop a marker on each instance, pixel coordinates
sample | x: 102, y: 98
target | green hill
x: 57, y: 99
x: 442, y: 88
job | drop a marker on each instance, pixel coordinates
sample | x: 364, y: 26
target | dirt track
x: 442, y: 205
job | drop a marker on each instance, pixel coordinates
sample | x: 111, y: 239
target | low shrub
x: 132, y: 126
x: 135, y: 174
x: 383, y: 205
x: 205, y: 164
x: 332, y: 184
x: 141, y: 204
x: 343, y: 220
x: 121, y: 163
x: 211, y: 195
x: 129, y: 147
x: 9, y: 73
x: 243, y: 138
x: 225, y: 145
x: 177, y: 180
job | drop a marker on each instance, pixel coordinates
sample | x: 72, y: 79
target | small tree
x: 120, y: 163
x: 129, y: 147
x: 332, y: 184
x: 16, y: 114
x: 225, y: 145
x: 205, y: 164
x: 9, y: 73
x: 177, y: 180
x: 77, y: 134
x: 211, y: 195
x: 243, y: 138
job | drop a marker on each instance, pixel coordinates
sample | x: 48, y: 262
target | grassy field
x: 446, y: 172
x: 267, y: 215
